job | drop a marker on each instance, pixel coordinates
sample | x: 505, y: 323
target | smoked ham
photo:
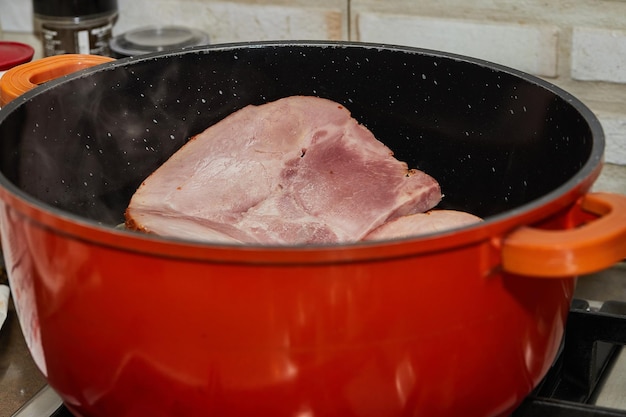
x: 433, y: 221
x: 298, y: 170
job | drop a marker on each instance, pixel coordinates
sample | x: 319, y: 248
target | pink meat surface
x: 433, y: 221
x: 296, y: 170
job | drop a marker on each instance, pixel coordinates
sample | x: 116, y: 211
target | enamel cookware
x: 458, y: 323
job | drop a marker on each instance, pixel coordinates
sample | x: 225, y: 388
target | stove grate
x: 593, y: 340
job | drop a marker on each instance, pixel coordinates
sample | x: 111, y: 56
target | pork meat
x: 433, y: 221
x: 298, y: 170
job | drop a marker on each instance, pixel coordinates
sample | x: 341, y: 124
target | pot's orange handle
x: 591, y: 247
x: 22, y: 78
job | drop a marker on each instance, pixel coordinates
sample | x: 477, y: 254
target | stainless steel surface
x: 44, y: 403
x: 612, y: 394
x: 20, y: 379
x: 4, y: 302
x: 603, y: 286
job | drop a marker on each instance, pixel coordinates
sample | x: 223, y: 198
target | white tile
x: 527, y: 47
x: 234, y: 22
x: 612, y: 179
x: 599, y: 54
x: 16, y: 15
x: 614, y: 126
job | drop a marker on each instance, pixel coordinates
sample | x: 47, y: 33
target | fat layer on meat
x: 433, y: 221
x: 296, y: 170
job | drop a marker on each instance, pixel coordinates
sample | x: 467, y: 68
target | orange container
x: 464, y: 322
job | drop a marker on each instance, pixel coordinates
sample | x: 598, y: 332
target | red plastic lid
x: 14, y: 53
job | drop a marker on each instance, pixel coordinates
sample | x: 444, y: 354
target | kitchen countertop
x: 20, y: 379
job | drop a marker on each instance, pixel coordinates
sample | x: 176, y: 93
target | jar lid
x: 13, y: 54
x: 156, y: 39
x: 73, y: 8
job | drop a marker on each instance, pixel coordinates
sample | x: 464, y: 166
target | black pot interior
x: 493, y: 138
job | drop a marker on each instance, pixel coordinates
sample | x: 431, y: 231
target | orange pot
x: 458, y: 323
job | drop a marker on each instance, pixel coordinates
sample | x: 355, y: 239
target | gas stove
x: 588, y: 379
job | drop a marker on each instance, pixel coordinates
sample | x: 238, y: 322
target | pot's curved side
x: 441, y: 334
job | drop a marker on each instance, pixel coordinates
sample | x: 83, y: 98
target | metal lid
x: 155, y: 39
x: 73, y: 8
x: 14, y: 53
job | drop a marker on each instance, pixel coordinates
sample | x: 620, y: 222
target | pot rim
x: 74, y: 226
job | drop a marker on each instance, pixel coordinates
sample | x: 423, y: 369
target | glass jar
x: 75, y: 26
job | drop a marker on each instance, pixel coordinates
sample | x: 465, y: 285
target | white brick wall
x: 599, y: 54
x: 16, y: 16
x: 614, y: 125
x: 225, y: 21
x: 234, y: 22
x: 528, y: 47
